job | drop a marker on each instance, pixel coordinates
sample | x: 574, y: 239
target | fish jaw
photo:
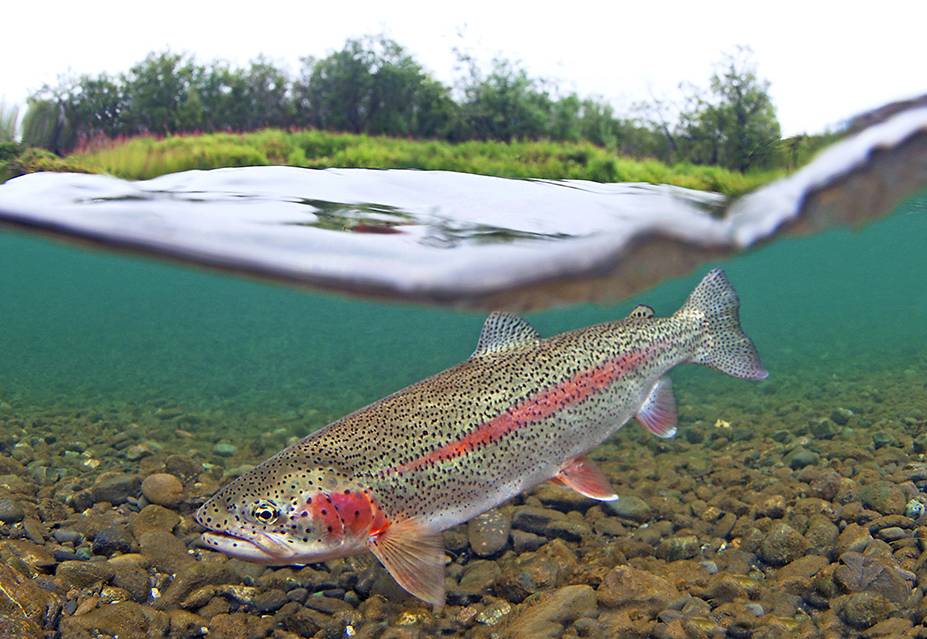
x: 274, y: 552
x: 241, y: 548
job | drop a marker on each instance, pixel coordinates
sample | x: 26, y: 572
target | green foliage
x: 735, y: 125
x: 143, y: 158
x: 372, y: 86
x: 508, y: 104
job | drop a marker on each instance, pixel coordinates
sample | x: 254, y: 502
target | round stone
x: 163, y: 489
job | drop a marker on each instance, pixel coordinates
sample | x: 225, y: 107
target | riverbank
x: 148, y: 157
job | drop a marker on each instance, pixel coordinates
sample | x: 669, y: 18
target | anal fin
x: 414, y: 557
x: 586, y: 478
x: 658, y: 412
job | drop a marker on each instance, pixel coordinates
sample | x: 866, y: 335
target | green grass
x: 142, y: 158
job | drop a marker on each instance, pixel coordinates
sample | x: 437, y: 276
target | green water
x: 89, y: 331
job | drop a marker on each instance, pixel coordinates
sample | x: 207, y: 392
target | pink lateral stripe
x: 567, y: 393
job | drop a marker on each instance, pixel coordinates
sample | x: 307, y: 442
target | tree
x: 266, y: 95
x: 505, y: 105
x: 735, y: 124
x: 158, y: 95
x: 372, y: 85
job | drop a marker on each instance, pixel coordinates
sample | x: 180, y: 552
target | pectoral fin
x: 586, y: 478
x: 414, y: 557
x: 658, y: 412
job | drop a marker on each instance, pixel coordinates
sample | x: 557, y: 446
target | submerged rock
x: 11, y: 511
x: 163, y: 489
x: 884, y: 497
x: 126, y: 620
x: 782, y: 545
x: 488, y: 533
x: 628, y: 587
x: 679, y: 547
x: 547, y: 617
x: 631, y: 507
x: 863, y: 609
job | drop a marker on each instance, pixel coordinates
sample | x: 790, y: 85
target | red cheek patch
x: 324, y: 515
x: 355, y: 511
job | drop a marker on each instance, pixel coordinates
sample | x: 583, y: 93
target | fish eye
x: 265, y: 512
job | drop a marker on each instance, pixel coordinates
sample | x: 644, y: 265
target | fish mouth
x: 261, y: 548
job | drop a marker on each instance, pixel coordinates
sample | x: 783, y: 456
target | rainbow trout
x: 520, y: 411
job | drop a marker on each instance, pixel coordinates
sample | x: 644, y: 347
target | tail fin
x: 724, y: 345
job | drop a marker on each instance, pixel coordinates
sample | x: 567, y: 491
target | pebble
x: 163, y: 489
x: 225, y: 449
x: 116, y: 488
x: 631, y: 507
x: 11, y: 511
x: 678, y: 547
x: 781, y: 545
x: 863, y: 609
x: 489, y: 533
x: 112, y: 539
x: 802, y: 457
x: 884, y: 497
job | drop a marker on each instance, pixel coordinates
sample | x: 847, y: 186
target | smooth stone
x: 562, y: 498
x: 628, y: 587
x: 225, y: 449
x: 892, y: 533
x: 112, y: 539
x: 631, y: 507
x: 125, y: 619
x: 802, y: 457
x: 884, y: 497
x: 553, y: 612
x: 678, y: 548
x: 489, y: 533
x: 269, y: 600
x: 480, y: 576
x: 782, y: 545
x: 153, y: 518
x: 116, y: 488
x: 163, y: 489
x: 524, y: 541
x: 84, y: 573
x: 35, y: 556
x: 11, y: 511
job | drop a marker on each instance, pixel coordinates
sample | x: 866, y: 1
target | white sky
x: 826, y: 60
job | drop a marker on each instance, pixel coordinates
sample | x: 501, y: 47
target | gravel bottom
x: 786, y: 509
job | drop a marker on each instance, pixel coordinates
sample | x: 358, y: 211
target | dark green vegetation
x: 373, y: 86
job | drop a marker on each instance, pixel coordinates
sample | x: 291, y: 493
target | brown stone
x: 626, y: 587
x: 546, y: 617
x: 126, y: 620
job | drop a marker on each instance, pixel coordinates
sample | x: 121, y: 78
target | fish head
x: 276, y: 514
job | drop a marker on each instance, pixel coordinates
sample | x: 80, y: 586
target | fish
x: 522, y: 410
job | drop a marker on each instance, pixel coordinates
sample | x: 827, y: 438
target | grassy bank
x: 141, y: 158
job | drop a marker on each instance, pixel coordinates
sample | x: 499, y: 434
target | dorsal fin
x: 504, y: 332
x: 641, y: 311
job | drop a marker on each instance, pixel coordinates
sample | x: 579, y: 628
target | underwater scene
x: 133, y: 390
